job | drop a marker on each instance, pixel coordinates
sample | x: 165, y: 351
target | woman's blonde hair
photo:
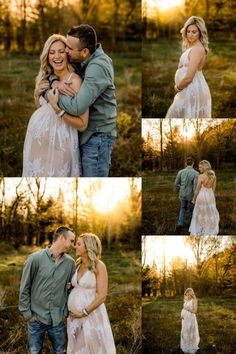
x: 207, y: 168
x: 203, y: 36
x: 190, y: 292
x: 45, y: 68
x: 94, y: 248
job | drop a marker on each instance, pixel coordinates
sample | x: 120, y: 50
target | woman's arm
x: 194, y: 307
x: 80, y: 122
x: 214, y: 185
x: 101, y: 291
x: 195, y: 58
x: 199, y: 183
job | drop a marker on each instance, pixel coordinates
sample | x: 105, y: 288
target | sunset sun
x: 162, y: 5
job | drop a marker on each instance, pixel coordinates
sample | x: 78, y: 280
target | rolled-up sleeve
x: 95, y: 82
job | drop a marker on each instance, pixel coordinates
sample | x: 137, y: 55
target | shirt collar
x: 98, y: 51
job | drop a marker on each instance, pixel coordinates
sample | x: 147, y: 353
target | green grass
x: 123, y: 301
x: 160, y: 61
x: 162, y: 325
x: 161, y: 204
x: 17, y: 80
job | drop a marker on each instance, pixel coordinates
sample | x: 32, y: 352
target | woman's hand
x: 43, y: 86
x: 53, y: 96
x: 76, y: 314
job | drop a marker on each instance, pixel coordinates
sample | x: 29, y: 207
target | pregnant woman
x: 193, y: 98
x: 205, y: 219
x: 88, y: 326
x: 51, y: 147
x: 189, y: 339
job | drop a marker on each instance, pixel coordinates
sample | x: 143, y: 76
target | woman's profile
x: 51, y: 147
x: 88, y: 325
x: 205, y: 219
x: 193, y: 98
x: 189, y: 339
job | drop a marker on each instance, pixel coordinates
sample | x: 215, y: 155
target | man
x: 97, y: 94
x: 43, y: 292
x: 185, y: 184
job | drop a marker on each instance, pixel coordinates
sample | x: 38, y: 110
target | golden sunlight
x: 113, y: 191
x: 170, y: 246
x: 165, y: 5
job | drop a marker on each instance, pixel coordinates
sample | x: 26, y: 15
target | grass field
x: 160, y: 61
x: 162, y: 325
x: 17, y: 80
x: 123, y: 301
x: 161, y: 204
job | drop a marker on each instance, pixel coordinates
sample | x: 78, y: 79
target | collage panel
x: 77, y: 71
x: 188, y: 294
x: 188, y: 59
x: 46, y: 225
x: 189, y: 174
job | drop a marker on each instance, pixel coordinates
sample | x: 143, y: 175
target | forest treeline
x: 25, y: 25
x: 219, y: 16
x: 30, y: 215
x: 216, y: 144
x: 213, y: 273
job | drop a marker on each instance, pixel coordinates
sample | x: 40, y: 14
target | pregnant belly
x: 78, y: 300
x: 179, y: 75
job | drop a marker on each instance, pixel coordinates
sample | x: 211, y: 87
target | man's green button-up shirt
x: 43, y: 290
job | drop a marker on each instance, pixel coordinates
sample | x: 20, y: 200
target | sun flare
x: 162, y: 5
x: 171, y: 246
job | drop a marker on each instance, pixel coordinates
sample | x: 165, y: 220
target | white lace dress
x: 205, y: 219
x: 189, y: 338
x: 194, y: 101
x: 91, y: 334
x: 51, y: 147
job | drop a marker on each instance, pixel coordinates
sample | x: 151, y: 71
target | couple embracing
x: 74, y: 92
x: 196, y: 193
x: 54, y: 287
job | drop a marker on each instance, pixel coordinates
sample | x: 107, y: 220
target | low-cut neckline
x: 79, y: 278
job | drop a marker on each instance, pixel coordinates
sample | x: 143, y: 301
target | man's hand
x: 33, y: 319
x: 64, y: 88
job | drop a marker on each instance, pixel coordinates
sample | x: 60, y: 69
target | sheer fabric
x: 51, y: 147
x: 194, y: 101
x: 91, y: 334
x: 205, y: 219
x: 189, y: 339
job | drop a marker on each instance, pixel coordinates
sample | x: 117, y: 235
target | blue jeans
x: 96, y: 155
x: 184, y: 205
x: 57, y: 336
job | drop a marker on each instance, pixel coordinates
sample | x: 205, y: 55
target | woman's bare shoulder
x: 198, y: 50
x: 76, y: 81
x: 100, y: 266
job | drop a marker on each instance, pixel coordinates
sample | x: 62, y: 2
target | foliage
x: 30, y: 215
x: 213, y: 272
x: 26, y: 25
x: 213, y: 140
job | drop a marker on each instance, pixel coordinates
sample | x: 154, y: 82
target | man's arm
x: 177, y: 181
x: 95, y: 82
x: 25, y: 287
